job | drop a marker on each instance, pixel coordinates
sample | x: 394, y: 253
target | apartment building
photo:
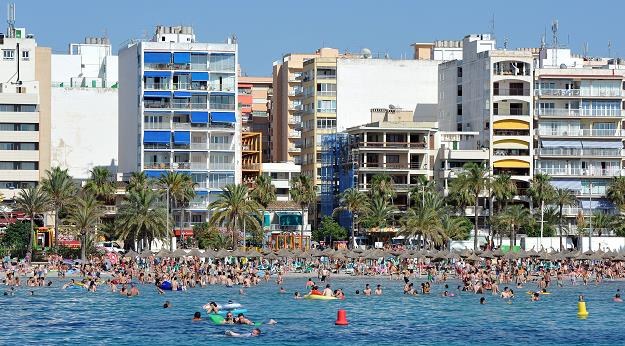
x: 84, y: 108
x: 177, y: 112
x: 24, y: 111
x: 281, y: 174
x: 254, y: 106
x: 579, y: 126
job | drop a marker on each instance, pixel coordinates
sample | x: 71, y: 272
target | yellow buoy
x: 581, y: 309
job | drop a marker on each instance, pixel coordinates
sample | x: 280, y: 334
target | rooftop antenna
x: 585, y: 49
x: 505, y: 42
x: 492, y: 26
x: 610, y: 49
x: 554, y: 30
x: 11, y: 19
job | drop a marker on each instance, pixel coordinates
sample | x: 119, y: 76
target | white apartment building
x: 24, y: 111
x: 177, y: 112
x: 84, y: 108
x: 281, y: 174
x: 579, y: 127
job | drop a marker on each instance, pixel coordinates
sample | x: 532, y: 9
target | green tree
x: 516, y: 216
x: 303, y: 192
x: 142, y: 218
x: 422, y: 223
x: 616, y: 192
x: 16, y: 236
x: 264, y: 192
x: 602, y: 222
x: 382, y: 185
x: 101, y: 185
x: 455, y: 228
x: 138, y: 181
x: 354, y: 202
x: 234, y: 208
x: 541, y: 191
x: 330, y: 229
x: 476, y: 179
x: 33, y: 201
x: 61, y: 190
x: 181, y: 191
x: 503, y: 189
x: 562, y: 198
x: 379, y: 213
x: 209, y: 237
x: 422, y: 188
x: 85, y: 214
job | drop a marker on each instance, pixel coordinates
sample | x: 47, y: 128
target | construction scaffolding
x: 337, y: 174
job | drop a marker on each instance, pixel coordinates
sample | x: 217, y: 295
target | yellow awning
x: 511, y: 164
x: 511, y: 144
x: 511, y: 124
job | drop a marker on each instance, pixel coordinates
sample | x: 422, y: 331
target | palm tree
x: 602, y: 222
x: 454, y: 228
x: 477, y: 181
x: 562, y: 197
x: 379, y: 212
x: 142, y: 217
x: 85, y: 214
x: 382, y: 185
x: 353, y: 202
x: 303, y: 192
x: 422, y: 223
x: 264, y: 192
x: 59, y: 187
x: 181, y: 191
x: 541, y: 191
x: 100, y: 184
x: 503, y: 189
x: 233, y: 208
x: 32, y: 201
x: 422, y: 188
x: 616, y: 192
x: 460, y: 192
x: 138, y: 181
x: 516, y: 216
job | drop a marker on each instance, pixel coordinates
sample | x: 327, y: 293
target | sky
x: 266, y: 29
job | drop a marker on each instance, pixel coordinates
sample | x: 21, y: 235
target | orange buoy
x: 341, y: 318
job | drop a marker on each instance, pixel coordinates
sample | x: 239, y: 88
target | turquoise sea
x: 54, y: 316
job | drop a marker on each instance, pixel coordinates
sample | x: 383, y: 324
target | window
x: 18, y: 127
x: 326, y: 106
x: 17, y: 184
x: 8, y: 54
x: 17, y: 108
x: 222, y: 101
x: 19, y: 165
x: 25, y: 55
x: 18, y: 146
x: 392, y: 158
x: 459, y: 93
x: 221, y: 62
x: 459, y: 109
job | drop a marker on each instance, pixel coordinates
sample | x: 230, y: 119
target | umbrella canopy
x: 570, y: 254
x: 266, y: 251
x: 297, y: 253
x: 511, y: 256
x: 327, y: 252
x: 131, y: 254
x: 222, y: 253
x: 358, y: 250
x: 532, y: 253
x: 163, y: 253
x: 284, y: 253
x: 145, y: 253
x: 179, y: 253
x: 352, y: 255
x: 195, y: 253
x: 272, y: 256
x: 589, y: 252
x: 208, y: 253
x: 238, y: 253
x: 487, y: 254
x: 253, y: 254
x: 473, y: 257
x: 498, y: 253
x: 465, y: 253
x: 316, y: 253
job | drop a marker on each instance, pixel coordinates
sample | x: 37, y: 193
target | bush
x: 329, y: 229
x: 16, y: 235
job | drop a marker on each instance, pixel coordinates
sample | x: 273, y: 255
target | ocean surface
x: 54, y: 316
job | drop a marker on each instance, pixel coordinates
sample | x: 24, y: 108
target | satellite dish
x: 366, y: 53
x: 391, y: 106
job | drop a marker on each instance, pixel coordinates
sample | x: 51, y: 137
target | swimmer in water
x: 167, y: 305
x: 617, y: 298
x: 211, y: 308
x: 378, y: 290
x: 255, y: 332
x: 536, y: 297
x: 282, y: 290
x: 197, y: 316
x: 482, y: 301
x: 297, y: 295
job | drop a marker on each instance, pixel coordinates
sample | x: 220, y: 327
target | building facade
x: 24, y: 112
x: 84, y: 108
x: 177, y: 111
x: 254, y: 106
x: 579, y: 128
x: 281, y: 174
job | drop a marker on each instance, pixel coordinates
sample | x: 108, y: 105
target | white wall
x: 128, y: 109
x: 64, y: 67
x: 363, y: 84
x: 603, y: 243
x: 84, y: 129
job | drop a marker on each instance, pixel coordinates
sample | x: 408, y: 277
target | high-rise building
x: 254, y: 107
x: 579, y: 130
x: 177, y: 112
x: 489, y: 92
x: 84, y: 108
x: 24, y: 111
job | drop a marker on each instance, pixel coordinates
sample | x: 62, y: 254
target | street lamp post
x: 590, y: 216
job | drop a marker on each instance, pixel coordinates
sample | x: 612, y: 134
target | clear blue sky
x: 267, y: 29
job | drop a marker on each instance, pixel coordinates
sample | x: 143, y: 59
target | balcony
x: 182, y: 126
x: 295, y: 120
x: 295, y: 134
x: 157, y: 126
x: 326, y: 93
x: 226, y: 106
x: 182, y: 165
x: 295, y: 149
x: 511, y: 92
x: 221, y: 146
x: 190, y: 105
x: 511, y: 152
x: 190, y: 86
x: 157, y: 86
x: 512, y: 112
x: 401, y: 187
x: 591, y: 172
x: 199, y: 146
x: 579, y: 93
x: 222, y: 166
x: 199, y: 165
x: 574, y: 211
x: 156, y: 165
x: 402, y: 166
x: 110, y: 209
x: 156, y: 105
x: 564, y: 112
x: 398, y: 145
x: 576, y: 152
x: 251, y: 166
x: 198, y: 204
x: 582, y: 133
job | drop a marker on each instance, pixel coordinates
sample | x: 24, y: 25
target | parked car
x: 110, y: 246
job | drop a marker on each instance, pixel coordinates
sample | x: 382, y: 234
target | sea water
x: 56, y: 316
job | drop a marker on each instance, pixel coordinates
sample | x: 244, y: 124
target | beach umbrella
x: 465, y: 253
x: 327, y: 252
x: 145, y: 253
x: 570, y: 254
x: 284, y: 253
x: 473, y: 257
x: 597, y: 256
x: 609, y: 255
x: 358, y: 250
x: 511, y: 256
x: 498, y: 253
x: 253, y: 254
x: 238, y: 253
x: 179, y: 253
x: 487, y: 254
x: 533, y: 253
x: 266, y: 251
x: 272, y: 256
x: 209, y: 253
x: 195, y: 253
x: 339, y: 257
x: 131, y: 254
x: 316, y: 253
x: 589, y: 252
x: 351, y: 255
x: 163, y: 253
x: 222, y: 253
